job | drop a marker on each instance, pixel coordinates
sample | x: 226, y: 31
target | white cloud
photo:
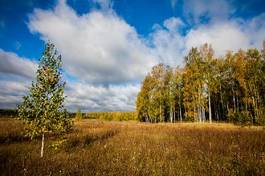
x: 11, y: 63
x: 96, y: 47
x: 12, y: 87
x: 168, y: 42
x: 173, y: 23
x: 99, y: 48
x: 17, y: 73
x: 99, y: 98
x: 255, y: 28
x: 224, y: 35
x: 11, y: 92
x: 229, y: 35
x: 196, y: 10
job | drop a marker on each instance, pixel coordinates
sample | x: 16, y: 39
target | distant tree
x: 228, y: 88
x: 254, y: 75
x: 43, y: 109
x: 170, y: 87
x: 194, y: 86
x: 179, y: 86
x: 154, y: 101
x: 209, y: 72
x: 158, y: 73
x: 143, y: 100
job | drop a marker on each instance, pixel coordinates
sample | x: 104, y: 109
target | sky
x: 108, y: 46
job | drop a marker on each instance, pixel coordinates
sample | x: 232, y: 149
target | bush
x: 242, y: 118
x: 260, y: 119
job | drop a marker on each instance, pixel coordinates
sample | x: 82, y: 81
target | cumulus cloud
x: 173, y: 23
x: 226, y: 34
x: 16, y: 75
x: 107, y: 57
x: 229, y: 35
x: 167, y: 41
x: 222, y: 37
x: 197, y: 10
x: 11, y: 92
x: 97, y: 47
x: 15, y: 83
x: 11, y: 63
x: 101, y: 98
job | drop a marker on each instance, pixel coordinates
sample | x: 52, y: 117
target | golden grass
x: 132, y: 148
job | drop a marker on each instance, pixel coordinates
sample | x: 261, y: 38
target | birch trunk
x: 42, y: 145
x: 210, y: 108
x: 171, y: 114
x: 160, y: 112
x: 180, y: 113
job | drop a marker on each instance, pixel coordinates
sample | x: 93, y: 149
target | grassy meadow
x: 97, y: 147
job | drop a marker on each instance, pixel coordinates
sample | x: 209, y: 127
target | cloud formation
x: 167, y: 41
x: 170, y: 45
x: 17, y: 73
x: 107, y: 57
x: 11, y: 63
x: 101, y: 98
x: 97, y: 47
x: 198, y: 10
x: 227, y: 35
x: 11, y: 93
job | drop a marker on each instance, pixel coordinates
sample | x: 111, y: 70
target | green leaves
x: 42, y: 109
x: 155, y: 100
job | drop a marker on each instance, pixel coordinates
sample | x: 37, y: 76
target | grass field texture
x: 97, y: 147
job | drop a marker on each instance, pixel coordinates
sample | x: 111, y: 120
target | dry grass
x: 130, y: 148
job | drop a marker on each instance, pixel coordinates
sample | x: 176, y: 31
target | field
x: 97, y: 147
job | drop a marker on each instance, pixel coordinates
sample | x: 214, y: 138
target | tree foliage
x: 229, y: 88
x: 43, y: 109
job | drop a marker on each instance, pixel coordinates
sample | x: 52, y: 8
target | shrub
x: 242, y: 118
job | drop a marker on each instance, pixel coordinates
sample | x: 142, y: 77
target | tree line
x: 228, y: 88
x: 114, y: 115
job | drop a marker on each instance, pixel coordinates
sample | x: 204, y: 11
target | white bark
x: 180, y: 111
x: 174, y: 115
x: 42, y: 146
x: 210, y: 108
x: 160, y: 112
x: 171, y: 114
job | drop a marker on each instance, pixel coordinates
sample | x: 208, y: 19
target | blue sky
x: 109, y: 46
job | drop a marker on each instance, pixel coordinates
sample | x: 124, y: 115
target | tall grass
x: 97, y: 147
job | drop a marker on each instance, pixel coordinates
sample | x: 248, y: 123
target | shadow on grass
x: 13, y: 138
x: 83, y: 140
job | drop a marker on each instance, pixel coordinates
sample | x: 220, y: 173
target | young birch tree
x: 42, y: 109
